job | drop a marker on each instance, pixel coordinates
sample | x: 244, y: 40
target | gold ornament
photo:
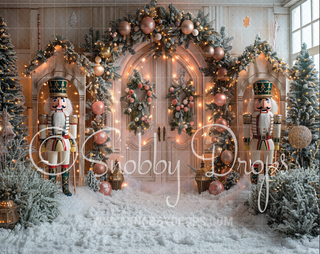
x: 105, y: 52
x: 300, y: 137
x: 187, y: 27
x: 98, y: 70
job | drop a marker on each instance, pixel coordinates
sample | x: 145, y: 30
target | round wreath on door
x: 183, y: 109
x: 138, y: 110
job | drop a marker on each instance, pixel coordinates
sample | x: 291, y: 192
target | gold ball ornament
x: 187, y: 27
x: 124, y: 28
x: 147, y: 25
x: 97, y: 59
x: 227, y: 157
x: 105, y: 52
x: 208, y: 51
x: 300, y: 137
x: 98, y: 70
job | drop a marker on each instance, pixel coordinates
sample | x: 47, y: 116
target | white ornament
x: 158, y: 37
x: 126, y: 90
x: 185, y: 102
x: 195, y: 32
x: 136, y: 119
x: 129, y: 110
x: 185, y: 126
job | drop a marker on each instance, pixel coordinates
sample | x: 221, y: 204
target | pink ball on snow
x: 216, y: 187
x: 105, y: 188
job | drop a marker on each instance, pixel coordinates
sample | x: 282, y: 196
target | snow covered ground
x: 133, y: 221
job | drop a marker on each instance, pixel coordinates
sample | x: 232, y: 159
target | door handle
x: 159, y: 133
x: 164, y: 133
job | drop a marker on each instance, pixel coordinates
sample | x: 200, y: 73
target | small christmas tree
x: 11, y: 89
x: 92, y: 181
x: 303, y: 109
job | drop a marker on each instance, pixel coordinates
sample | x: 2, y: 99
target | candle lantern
x: 8, y: 213
x: 203, y: 181
x: 117, y: 177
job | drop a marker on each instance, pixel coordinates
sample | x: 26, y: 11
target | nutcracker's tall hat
x: 58, y: 87
x: 262, y: 89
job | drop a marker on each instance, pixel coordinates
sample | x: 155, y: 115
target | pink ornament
x: 198, y: 23
x: 174, y: 102
x: 147, y: 25
x: 99, y: 168
x: 222, y: 72
x: 146, y: 121
x: 115, y: 44
x: 131, y: 91
x: 98, y: 107
x: 129, y: 96
x: 220, y: 99
x: 109, y: 29
x: 177, y: 108
x: 187, y: 27
x: 149, y: 93
x: 185, y: 109
x: 105, y: 188
x: 190, y: 98
x: 114, y: 34
x: 145, y: 117
x: 227, y: 157
x: 131, y: 100
x: 221, y: 121
x: 172, y: 89
x: 146, y: 87
x: 100, y: 137
x: 191, y: 104
x: 108, y: 73
x: 191, y: 123
x: 216, y: 187
x: 182, y: 106
x: 214, y: 139
x: 218, y: 53
x: 98, y: 70
x: 142, y: 118
x: 149, y: 100
x: 140, y: 85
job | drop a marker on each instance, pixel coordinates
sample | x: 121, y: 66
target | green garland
x: 138, y: 110
x: 182, y: 111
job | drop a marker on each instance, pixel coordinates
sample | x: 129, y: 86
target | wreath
x: 138, y: 110
x: 182, y: 112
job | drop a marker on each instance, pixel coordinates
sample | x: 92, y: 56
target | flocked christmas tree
x: 223, y: 92
x: 11, y: 89
x: 303, y: 109
x: 92, y: 181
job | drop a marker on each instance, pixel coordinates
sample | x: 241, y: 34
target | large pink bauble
x: 99, y: 168
x: 221, y: 121
x: 187, y: 27
x: 227, y: 157
x: 98, y: 70
x: 149, y: 100
x: 131, y: 100
x: 171, y: 89
x: 177, y: 108
x: 208, y: 51
x: 191, y: 98
x: 131, y: 91
x: 191, y: 104
x: 146, y: 87
x: 105, y: 188
x: 218, y: 53
x: 100, y: 137
x: 185, y: 109
x: 191, y: 123
x: 214, y: 139
x: 147, y: 25
x: 140, y: 85
x: 149, y: 93
x: 98, y: 107
x: 220, y: 99
x: 124, y: 28
x: 222, y: 72
x: 216, y: 187
x: 174, y: 102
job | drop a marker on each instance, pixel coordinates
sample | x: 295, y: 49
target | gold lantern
x: 117, y: 177
x: 8, y: 213
x: 203, y: 181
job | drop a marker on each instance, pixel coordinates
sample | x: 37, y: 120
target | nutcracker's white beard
x: 264, y: 122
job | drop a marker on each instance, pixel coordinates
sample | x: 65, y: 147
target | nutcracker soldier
x: 263, y: 123
x: 58, y: 107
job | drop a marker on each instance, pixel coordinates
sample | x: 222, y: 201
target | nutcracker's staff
x: 73, y: 130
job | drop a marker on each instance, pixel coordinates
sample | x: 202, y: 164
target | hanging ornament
x: 98, y: 70
x: 105, y: 188
x: 214, y: 139
x: 136, y: 119
x: 191, y: 104
x: 220, y: 99
x: 131, y: 100
x: 227, y: 157
x: 146, y: 87
x: 97, y: 59
x: 174, y: 102
x: 131, y: 91
x: 149, y: 100
x: 222, y: 72
x: 187, y: 27
x: 98, y: 107
x: 147, y: 25
x: 140, y: 85
x: 191, y: 123
x: 129, y: 110
x: 100, y: 137
x: 105, y: 52
x: 195, y: 32
x: 216, y: 187
x: 124, y: 28
x: 99, y: 168
x: 221, y: 121
x: 217, y: 151
x: 114, y: 35
x: 171, y: 89
x: 198, y: 23
x: 218, y: 53
x: 185, y: 102
x: 185, y: 109
x: 208, y: 51
x: 158, y: 36
x: 191, y: 98
x: 300, y: 137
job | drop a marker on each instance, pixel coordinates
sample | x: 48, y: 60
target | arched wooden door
x: 169, y: 146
